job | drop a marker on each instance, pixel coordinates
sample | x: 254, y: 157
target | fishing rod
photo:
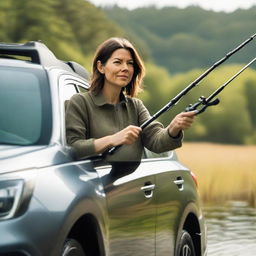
x: 210, y: 101
x: 175, y: 100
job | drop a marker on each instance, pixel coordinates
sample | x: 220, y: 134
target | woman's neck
x: 112, y: 95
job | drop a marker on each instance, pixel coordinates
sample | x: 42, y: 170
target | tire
x: 185, y: 246
x: 72, y: 247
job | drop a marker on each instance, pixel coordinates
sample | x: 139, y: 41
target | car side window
x: 82, y: 89
x: 67, y: 91
x: 68, y: 86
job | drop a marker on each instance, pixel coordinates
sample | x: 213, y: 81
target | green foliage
x: 250, y: 94
x: 154, y: 93
x: 72, y: 29
x: 89, y: 25
x: 6, y: 19
x: 185, y: 39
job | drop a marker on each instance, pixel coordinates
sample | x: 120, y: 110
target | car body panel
x: 139, y: 208
x: 131, y: 215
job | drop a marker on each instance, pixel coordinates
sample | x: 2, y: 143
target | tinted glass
x: 25, y: 109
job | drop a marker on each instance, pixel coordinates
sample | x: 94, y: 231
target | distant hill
x: 184, y: 39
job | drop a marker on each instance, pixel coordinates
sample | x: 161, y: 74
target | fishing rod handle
x: 206, y: 105
x: 112, y: 150
x: 192, y: 107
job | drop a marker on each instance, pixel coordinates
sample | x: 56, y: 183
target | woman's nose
x: 125, y: 66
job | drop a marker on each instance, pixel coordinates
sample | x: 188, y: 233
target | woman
x: 110, y: 115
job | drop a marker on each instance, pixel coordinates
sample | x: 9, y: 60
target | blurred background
x: 178, y: 41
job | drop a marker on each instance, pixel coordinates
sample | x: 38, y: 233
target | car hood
x: 16, y: 158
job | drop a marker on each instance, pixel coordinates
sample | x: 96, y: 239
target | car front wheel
x: 72, y: 247
x: 185, y: 245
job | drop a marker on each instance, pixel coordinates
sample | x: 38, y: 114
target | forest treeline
x: 184, y: 39
x: 71, y: 29
x: 177, y: 45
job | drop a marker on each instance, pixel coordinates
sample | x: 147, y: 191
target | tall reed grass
x: 224, y: 172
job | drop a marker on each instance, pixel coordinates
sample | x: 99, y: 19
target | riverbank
x: 224, y: 172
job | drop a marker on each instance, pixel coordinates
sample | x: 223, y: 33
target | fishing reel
x: 202, y: 101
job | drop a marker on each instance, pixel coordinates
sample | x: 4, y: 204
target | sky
x: 215, y: 5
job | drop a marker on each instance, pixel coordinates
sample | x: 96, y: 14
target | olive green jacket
x: 89, y: 117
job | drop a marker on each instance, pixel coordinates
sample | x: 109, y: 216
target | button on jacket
x: 89, y: 116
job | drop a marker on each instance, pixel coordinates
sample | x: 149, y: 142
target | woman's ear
x: 100, y: 67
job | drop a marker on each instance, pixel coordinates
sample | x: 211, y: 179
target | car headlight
x: 10, y: 195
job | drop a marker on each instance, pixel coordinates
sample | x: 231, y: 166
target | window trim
x: 65, y: 80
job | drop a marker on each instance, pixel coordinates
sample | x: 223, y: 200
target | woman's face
x: 119, y: 69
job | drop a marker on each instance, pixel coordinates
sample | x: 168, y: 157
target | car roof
x: 36, y: 53
x: 18, y: 63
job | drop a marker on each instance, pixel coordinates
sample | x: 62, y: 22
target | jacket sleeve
x: 155, y: 137
x: 76, y: 127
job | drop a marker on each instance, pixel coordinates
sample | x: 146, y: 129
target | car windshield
x: 25, y: 106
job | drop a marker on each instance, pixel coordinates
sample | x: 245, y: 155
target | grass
x: 224, y: 172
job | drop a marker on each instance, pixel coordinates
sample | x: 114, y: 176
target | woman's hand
x: 126, y: 136
x: 181, y: 122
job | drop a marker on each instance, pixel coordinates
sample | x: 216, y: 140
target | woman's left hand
x: 181, y: 122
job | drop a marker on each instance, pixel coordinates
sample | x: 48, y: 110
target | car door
x: 129, y: 188
x: 170, y: 200
x: 129, y: 191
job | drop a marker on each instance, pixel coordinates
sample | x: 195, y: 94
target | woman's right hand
x: 126, y: 136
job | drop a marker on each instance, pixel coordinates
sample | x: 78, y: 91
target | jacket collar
x: 99, y: 100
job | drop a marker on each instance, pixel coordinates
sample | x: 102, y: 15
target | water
x: 231, y: 229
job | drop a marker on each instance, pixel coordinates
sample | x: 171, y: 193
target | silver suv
x: 52, y: 204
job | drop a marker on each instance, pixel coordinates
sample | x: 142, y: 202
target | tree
x: 250, y: 94
x: 155, y: 87
x: 7, y: 18
x: 71, y: 29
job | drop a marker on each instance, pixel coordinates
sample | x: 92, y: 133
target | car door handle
x: 179, y: 182
x: 148, y: 189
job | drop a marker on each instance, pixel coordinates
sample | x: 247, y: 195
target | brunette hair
x: 104, y: 52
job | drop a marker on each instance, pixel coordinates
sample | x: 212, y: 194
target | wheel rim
x: 69, y: 251
x: 72, y: 248
x: 186, y: 251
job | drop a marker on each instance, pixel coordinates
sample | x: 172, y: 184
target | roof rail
x: 39, y: 53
